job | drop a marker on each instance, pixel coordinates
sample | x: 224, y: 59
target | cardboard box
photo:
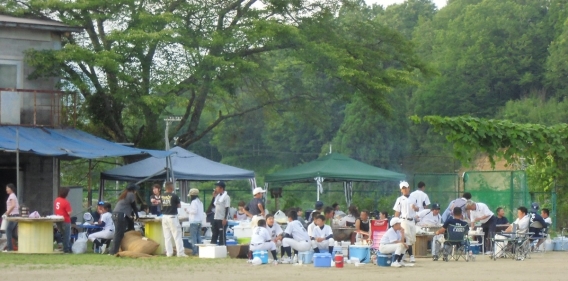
x: 212, y: 251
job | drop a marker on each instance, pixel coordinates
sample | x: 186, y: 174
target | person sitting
x: 392, y: 242
x: 274, y: 229
x: 329, y: 213
x: 430, y: 217
x: 455, y: 220
x: 522, y: 222
x: 362, y: 228
x: 313, y: 224
x: 295, y: 237
x: 301, y: 217
x: 318, y: 208
x: 241, y: 214
x: 545, y: 214
x: 351, y: 218
x: 537, y: 225
x: 107, y: 224
x: 501, y: 219
x: 322, y: 236
x: 261, y: 240
x: 337, y: 209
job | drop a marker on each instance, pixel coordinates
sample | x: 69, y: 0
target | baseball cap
x: 403, y: 184
x: 193, y: 191
x: 394, y: 221
x: 319, y: 204
x: 132, y: 187
x: 101, y: 203
x: 258, y: 190
x: 435, y: 206
x: 535, y: 206
x: 220, y: 184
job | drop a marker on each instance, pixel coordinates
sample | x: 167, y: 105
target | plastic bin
x: 306, y: 257
x: 362, y: 252
x: 384, y: 259
x: 263, y: 255
x: 322, y: 260
x: 209, y: 251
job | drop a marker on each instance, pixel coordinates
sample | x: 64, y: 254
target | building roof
x: 40, y: 24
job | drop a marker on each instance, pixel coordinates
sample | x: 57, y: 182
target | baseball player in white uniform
x: 431, y: 217
x: 392, y: 242
x: 420, y: 198
x: 275, y: 230
x: 295, y: 237
x: 322, y: 236
x: 261, y: 240
x: 405, y: 209
x: 108, y: 228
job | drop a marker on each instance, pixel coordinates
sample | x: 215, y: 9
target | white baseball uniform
x: 275, y: 230
x: 260, y: 240
x: 108, y: 228
x: 419, y: 198
x: 426, y: 217
x: 322, y: 232
x: 403, y: 205
x: 300, y: 240
x: 388, y: 245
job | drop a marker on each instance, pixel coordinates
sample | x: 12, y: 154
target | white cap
x: 394, y: 221
x: 403, y: 184
x: 258, y: 190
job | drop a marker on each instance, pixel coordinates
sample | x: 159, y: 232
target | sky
x: 439, y: 3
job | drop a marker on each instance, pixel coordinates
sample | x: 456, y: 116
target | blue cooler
x: 475, y: 249
x: 362, y: 252
x: 263, y: 255
x: 322, y: 260
x: 306, y: 257
x: 384, y: 259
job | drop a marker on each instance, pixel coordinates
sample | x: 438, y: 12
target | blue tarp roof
x: 66, y: 143
x: 186, y: 165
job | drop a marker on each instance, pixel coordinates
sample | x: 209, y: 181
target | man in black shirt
x: 170, y: 222
x: 455, y: 220
x: 256, y: 205
x: 501, y: 219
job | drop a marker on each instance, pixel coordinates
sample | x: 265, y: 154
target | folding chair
x: 456, y: 244
x: 512, y: 245
x: 378, y: 229
x: 540, y: 235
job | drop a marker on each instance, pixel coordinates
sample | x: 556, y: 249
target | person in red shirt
x: 62, y: 207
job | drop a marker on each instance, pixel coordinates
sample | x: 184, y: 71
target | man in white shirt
x: 522, y: 223
x: 322, y: 236
x: 196, y: 216
x: 108, y: 227
x: 261, y: 240
x: 405, y: 209
x: 295, y: 237
x: 479, y: 212
x: 420, y: 198
x: 275, y: 231
x: 392, y: 242
x: 222, y: 203
x: 313, y: 223
x: 545, y: 214
x: 430, y: 217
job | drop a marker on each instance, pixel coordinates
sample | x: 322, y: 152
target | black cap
x: 220, y: 184
x: 319, y: 204
x: 435, y: 206
x: 132, y: 187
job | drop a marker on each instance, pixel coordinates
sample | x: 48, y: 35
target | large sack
x: 129, y: 238
x: 130, y: 254
x: 145, y: 245
x: 80, y: 245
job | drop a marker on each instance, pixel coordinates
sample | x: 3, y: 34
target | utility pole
x: 169, y: 121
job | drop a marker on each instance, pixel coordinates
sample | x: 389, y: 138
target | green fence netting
x: 507, y: 189
x: 441, y: 188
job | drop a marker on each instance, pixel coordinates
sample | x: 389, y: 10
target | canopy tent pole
x: 319, y: 184
x: 18, y: 186
x: 89, y: 190
x: 101, y: 189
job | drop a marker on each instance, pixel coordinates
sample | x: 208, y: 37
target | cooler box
x: 362, y: 252
x: 322, y: 260
x: 475, y: 249
x: 263, y: 255
x: 306, y: 257
x: 560, y: 244
x: 242, y: 231
x: 208, y: 251
x: 231, y: 242
x: 384, y: 259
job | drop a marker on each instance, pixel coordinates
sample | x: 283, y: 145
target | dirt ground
x: 549, y: 266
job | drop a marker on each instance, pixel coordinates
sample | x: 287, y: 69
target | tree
x: 138, y: 61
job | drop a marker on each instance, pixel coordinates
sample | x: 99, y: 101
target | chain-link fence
x: 506, y: 189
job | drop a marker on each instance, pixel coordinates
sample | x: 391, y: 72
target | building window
x: 10, y: 74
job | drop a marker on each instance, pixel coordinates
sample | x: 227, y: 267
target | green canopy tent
x: 334, y: 167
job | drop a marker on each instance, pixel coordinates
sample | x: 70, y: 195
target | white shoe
x: 183, y: 256
x: 286, y: 260
x: 406, y: 264
x: 489, y: 253
x: 103, y: 248
x: 396, y: 264
x: 412, y: 259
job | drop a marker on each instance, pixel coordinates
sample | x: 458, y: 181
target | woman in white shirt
x: 196, y: 216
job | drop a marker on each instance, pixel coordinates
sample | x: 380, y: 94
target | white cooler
x: 242, y: 230
x: 209, y: 251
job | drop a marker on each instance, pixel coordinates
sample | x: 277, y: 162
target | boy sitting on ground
x: 322, y: 236
x: 261, y: 240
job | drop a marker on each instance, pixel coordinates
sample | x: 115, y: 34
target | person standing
x: 222, y: 203
x: 122, y: 215
x: 337, y: 209
x: 256, y: 206
x: 406, y: 209
x: 156, y: 200
x: 420, y: 198
x: 12, y: 210
x: 196, y: 216
x: 459, y: 202
x: 479, y: 212
x: 170, y: 222
x: 62, y: 207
